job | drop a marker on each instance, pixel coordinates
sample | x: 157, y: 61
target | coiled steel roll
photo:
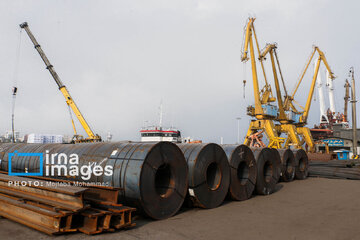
x: 209, y: 174
x: 243, y: 171
x: 288, y: 165
x: 152, y: 176
x: 267, y: 170
x: 302, y: 164
x: 278, y: 163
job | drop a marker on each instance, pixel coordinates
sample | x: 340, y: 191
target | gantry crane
x: 302, y: 116
x: 264, y: 112
x: 69, y: 100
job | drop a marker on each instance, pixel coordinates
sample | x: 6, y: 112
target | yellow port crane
x: 284, y: 118
x: 69, y: 100
x: 264, y: 112
x: 303, y: 115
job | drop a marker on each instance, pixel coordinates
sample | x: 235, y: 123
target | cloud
x: 120, y: 58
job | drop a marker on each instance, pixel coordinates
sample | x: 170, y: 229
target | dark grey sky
x: 120, y: 58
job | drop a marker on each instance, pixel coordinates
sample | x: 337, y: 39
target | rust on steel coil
x: 151, y: 175
x: 243, y: 171
x: 267, y: 170
x: 209, y: 174
x: 302, y: 164
x: 288, y: 165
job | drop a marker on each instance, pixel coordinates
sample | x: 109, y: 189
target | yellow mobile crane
x: 69, y: 100
x: 284, y: 118
x: 302, y: 116
x: 263, y: 111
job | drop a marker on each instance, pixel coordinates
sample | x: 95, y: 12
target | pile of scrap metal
x: 59, y: 208
x: 335, y: 169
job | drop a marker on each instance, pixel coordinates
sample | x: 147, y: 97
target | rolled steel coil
x: 302, y: 164
x: 278, y: 163
x: 151, y: 176
x: 243, y: 171
x: 267, y: 170
x: 209, y: 174
x: 288, y: 165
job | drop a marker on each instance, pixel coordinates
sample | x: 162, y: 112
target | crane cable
x: 244, y: 63
x: 244, y: 78
x: 15, y: 88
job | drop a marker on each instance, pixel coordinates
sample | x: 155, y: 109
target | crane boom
x: 69, y: 100
x: 311, y: 93
x: 249, y: 44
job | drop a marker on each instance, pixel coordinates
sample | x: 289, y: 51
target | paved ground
x: 310, y: 209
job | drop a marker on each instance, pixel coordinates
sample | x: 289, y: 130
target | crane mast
x: 69, y: 100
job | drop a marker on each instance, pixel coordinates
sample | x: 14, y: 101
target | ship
x: 159, y: 133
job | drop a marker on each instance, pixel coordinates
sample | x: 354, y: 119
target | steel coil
x: 288, y: 165
x: 243, y: 171
x: 209, y: 174
x: 278, y: 163
x: 267, y: 170
x: 302, y: 164
x: 151, y: 176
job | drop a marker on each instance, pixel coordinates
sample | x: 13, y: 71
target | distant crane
x: 290, y: 101
x: 69, y: 100
x: 346, y: 100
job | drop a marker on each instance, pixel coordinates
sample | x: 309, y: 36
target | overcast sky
x: 120, y: 58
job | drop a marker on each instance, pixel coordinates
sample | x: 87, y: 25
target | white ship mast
x: 157, y: 133
x: 323, y: 117
x: 330, y: 88
x: 160, y: 115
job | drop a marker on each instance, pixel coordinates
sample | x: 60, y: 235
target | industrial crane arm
x: 69, y: 100
x: 248, y: 35
x: 311, y: 93
x: 323, y: 58
x: 290, y: 99
x: 271, y: 50
x: 250, y: 45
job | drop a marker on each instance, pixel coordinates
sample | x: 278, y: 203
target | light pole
x: 353, y: 101
x: 238, y: 130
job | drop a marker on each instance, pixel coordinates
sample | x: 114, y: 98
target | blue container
x: 292, y: 116
x: 343, y: 154
x: 270, y: 110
